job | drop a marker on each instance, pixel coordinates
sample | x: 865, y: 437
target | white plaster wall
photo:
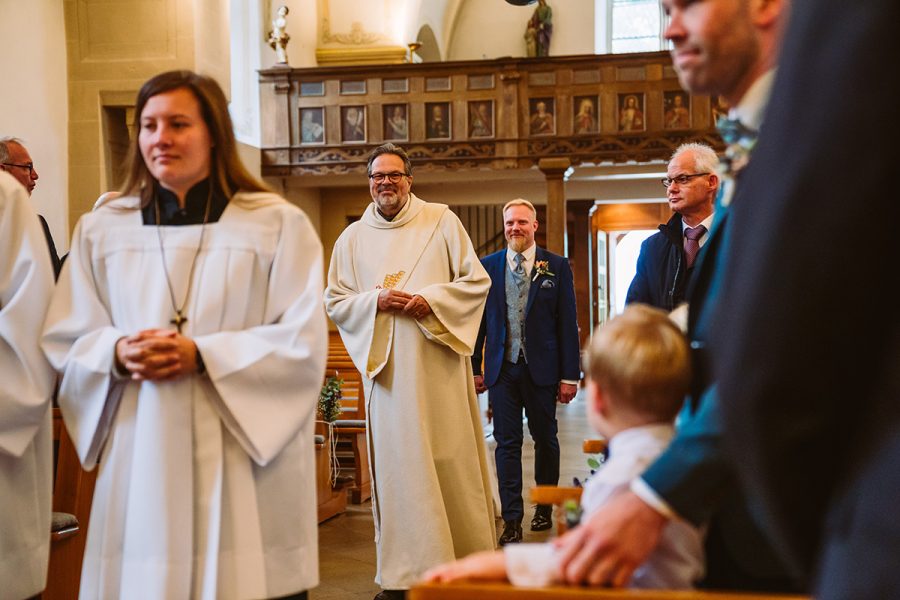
x: 249, y: 23
x: 212, y: 54
x: 33, y: 100
x: 437, y: 14
x: 485, y: 30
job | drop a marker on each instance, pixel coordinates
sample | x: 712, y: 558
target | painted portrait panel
x: 481, y: 118
x: 585, y: 111
x: 353, y: 124
x: 437, y: 120
x: 631, y: 112
x: 676, y: 110
x: 312, y: 125
x: 396, y: 125
x: 541, y: 116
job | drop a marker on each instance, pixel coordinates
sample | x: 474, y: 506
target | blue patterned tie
x: 519, y: 271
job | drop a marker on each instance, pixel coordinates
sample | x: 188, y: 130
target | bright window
x: 629, y: 26
x: 626, y: 254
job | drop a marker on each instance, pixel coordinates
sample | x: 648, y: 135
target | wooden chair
x: 73, y: 492
x: 558, y: 495
x: 505, y: 591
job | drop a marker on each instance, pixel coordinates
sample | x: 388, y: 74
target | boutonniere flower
x: 542, y: 267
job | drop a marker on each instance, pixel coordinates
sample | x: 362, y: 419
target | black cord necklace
x: 179, y: 319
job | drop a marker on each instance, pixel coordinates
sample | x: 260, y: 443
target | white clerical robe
x: 206, y: 483
x: 26, y: 383
x: 431, y: 497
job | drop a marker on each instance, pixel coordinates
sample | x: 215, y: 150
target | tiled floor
x: 346, y: 546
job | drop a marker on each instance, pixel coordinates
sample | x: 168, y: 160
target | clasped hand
x: 156, y: 354
x: 399, y: 301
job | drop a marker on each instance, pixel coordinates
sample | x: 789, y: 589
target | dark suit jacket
x: 695, y: 475
x: 661, y: 275
x: 808, y: 338
x: 551, y: 328
x: 54, y: 257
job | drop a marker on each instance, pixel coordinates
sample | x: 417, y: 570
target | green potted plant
x: 330, y: 399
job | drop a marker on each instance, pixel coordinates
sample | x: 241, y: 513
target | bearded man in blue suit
x: 529, y: 342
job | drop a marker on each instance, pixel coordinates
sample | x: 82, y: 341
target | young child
x: 639, y: 369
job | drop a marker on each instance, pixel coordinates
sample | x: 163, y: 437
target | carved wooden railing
x: 490, y: 109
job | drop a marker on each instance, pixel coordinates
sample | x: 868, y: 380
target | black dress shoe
x: 391, y: 595
x: 543, y: 518
x: 512, y: 533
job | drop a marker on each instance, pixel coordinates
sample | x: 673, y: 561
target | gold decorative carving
x: 357, y: 36
x: 379, y: 55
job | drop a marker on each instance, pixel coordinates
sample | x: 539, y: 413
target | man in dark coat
x: 667, y: 257
x: 15, y: 160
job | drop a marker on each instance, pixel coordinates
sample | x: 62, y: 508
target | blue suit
x: 551, y: 348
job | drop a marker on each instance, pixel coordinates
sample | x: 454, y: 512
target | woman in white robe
x: 203, y: 432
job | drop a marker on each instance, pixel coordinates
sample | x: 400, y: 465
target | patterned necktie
x: 740, y: 140
x: 519, y: 271
x: 692, y: 237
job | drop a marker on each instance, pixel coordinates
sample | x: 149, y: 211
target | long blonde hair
x: 227, y: 173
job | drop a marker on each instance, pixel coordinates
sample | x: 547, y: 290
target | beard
x: 518, y: 243
x: 389, y: 201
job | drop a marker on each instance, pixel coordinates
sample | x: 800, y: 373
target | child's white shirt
x: 676, y: 563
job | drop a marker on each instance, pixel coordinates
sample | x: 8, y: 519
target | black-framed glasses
x: 392, y: 177
x: 680, y: 179
x: 29, y: 166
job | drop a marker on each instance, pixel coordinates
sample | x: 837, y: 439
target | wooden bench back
x: 505, y: 591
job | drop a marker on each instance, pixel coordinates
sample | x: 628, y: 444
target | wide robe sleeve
x: 355, y: 312
x: 79, y: 340
x: 457, y: 305
x: 26, y: 282
x: 259, y: 373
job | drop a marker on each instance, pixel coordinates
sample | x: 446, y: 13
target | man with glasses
x: 407, y: 290
x: 15, y: 160
x: 667, y: 257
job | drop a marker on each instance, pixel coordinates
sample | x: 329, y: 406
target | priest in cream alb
x: 406, y: 291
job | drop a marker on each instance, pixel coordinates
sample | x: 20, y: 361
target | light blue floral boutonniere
x: 542, y: 267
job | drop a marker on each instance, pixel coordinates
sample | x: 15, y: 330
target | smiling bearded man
x: 406, y: 291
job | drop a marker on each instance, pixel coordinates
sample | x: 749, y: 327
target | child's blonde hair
x: 641, y: 359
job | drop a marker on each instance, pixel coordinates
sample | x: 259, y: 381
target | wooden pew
x: 73, y: 492
x: 505, y: 591
x: 331, y: 501
x: 350, y: 429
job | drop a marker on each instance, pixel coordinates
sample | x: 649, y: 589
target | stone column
x: 556, y: 171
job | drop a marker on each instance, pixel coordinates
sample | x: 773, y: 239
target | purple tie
x: 692, y: 237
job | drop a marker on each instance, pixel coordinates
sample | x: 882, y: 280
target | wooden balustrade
x: 505, y: 113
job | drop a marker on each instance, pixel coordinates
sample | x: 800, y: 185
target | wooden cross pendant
x: 179, y: 320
